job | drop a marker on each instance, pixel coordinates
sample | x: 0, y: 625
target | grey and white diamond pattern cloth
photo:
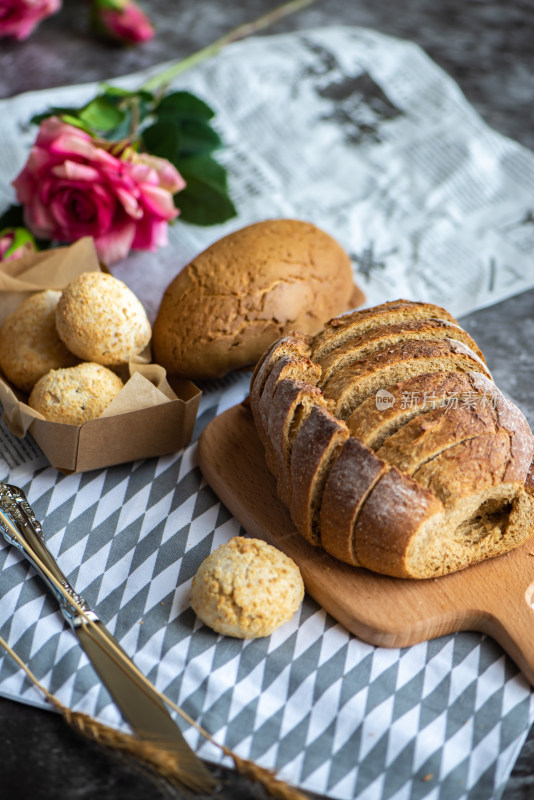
x: 443, y: 719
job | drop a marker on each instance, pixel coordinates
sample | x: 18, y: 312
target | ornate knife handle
x: 20, y: 527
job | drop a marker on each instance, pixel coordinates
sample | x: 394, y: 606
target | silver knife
x: 135, y: 697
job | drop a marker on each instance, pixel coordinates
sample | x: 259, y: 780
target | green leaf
x: 164, y: 140
x: 174, y: 142
x: 204, y: 205
x: 184, y: 105
x: 53, y: 111
x: 113, y: 114
x: 77, y: 122
x: 204, y: 167
x: 198, y: 138
x: 205, y: 200
x: 117, y: 93
x: 101, y: 115
x: 113, y: 5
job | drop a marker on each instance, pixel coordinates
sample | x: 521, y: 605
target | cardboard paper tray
x: 152, y: 415
x: 142, y: 433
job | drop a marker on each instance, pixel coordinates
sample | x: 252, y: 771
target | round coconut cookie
x: 76, y: 394
x: 29, y: 343
x: 246, y: 589
x: 100, y: 319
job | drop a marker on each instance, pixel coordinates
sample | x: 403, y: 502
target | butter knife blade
x: 145, y: 713
x: 136, y: 698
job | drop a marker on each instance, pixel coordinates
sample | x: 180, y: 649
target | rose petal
x: 115, y: 245
x: 159, y: 202
x: 73, y: 171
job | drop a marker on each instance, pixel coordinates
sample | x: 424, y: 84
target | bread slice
x: 351, y: 479
x: 289, y: 367
x: 502, y: 456
x: 403, y: 532
x: 373, y: 422
x: 351, y: 386
x: 472, y: 466
x: 427, y: 435
x: 315, y: 448
x: 292, y: 402
x: 294, y: 345
x: 386, y: 336
x: 397, y: 513
x: 350, y: 326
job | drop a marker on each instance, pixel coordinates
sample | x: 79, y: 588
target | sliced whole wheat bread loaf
x: 447, y: 484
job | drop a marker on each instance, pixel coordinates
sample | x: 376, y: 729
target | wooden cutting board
x: 492, y: 597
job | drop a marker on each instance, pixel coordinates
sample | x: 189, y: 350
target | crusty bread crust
x: 302, y: 369
x: 390, y: 518
x: 415, y: 396
x: 350, y: 326
x: 351, y: 385
x: 470, y: 466
x: 316, y: 444
x: 29, y: 343
x: 349, y: 483
x: 388, y: 335
x: 450, y: 482
x: 427, y: 435
x: 246, y: 290
x: 295, y: 344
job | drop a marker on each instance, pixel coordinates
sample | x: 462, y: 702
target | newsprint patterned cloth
x: 439, y: 720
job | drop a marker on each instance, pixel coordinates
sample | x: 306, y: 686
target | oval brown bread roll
x: 431, y: 474
x: 242, y: 293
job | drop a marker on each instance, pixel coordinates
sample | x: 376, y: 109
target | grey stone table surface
x: 486, y: 46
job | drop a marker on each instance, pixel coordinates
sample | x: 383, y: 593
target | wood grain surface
x: 492, y: 597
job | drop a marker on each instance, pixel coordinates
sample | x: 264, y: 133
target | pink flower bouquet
x: 73, y: 186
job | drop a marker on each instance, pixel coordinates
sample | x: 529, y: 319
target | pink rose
x: 18, y: 18
x: 122, y: 20
x: 15, y: 243
x: 72, y: 186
